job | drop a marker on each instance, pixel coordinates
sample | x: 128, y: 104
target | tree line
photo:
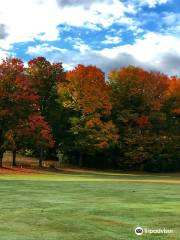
x: 129, y: 121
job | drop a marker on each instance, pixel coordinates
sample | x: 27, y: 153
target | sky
x: 106, y: 33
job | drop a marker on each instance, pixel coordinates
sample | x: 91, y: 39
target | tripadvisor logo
x: 139, y: 231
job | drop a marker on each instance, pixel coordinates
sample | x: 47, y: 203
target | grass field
x: 94, y: 206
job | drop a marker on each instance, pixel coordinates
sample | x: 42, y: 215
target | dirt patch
x: 16, y: 170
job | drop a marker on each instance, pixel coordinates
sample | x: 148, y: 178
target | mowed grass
x: 94, y: 206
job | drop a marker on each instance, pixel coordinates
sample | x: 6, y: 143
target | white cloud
x: 172, y: 22
x: 27, y: 20
x: 149, y: 3
x: 171, y: 18
x: 111, y: 40
x: 152, y: 51
x: 153, y: 3
x: 151, y: 46
x: 44, y: 49
x: 3, y: 33
x: 3, y: 54
x: 81, y: 47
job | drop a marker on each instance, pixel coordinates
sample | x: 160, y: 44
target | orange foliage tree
x: 85, y: 92
x: 138, y: 97
x: 173, y: 93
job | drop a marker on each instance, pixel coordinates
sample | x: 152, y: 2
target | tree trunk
x: 14, y: 158
x: 1, y: 159
x: 41, y: 156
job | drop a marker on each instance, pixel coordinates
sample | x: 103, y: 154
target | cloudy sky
x: 106, y: 33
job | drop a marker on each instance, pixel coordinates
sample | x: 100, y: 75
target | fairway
x: 88, y: 206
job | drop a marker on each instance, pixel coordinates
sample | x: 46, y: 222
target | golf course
x: 87, y: 205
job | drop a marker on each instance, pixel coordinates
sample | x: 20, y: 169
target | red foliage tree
x: 17, y: 100
x: 37, y: 134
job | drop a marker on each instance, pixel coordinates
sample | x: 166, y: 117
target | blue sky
x: 106, y: 33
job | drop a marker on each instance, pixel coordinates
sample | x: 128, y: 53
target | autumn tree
x: 84, y: 114
x: 37, y: 135
x: 172, y: 105
x: 138, y: 97
x: 136, y: 92
x: 45, y: 77
x: 31, y: 133
x: 87, y: 96
x: 17, y: 100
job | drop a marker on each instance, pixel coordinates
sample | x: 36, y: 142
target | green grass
x: 83, y: 206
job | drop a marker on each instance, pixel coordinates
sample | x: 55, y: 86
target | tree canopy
x: 131, y: 120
